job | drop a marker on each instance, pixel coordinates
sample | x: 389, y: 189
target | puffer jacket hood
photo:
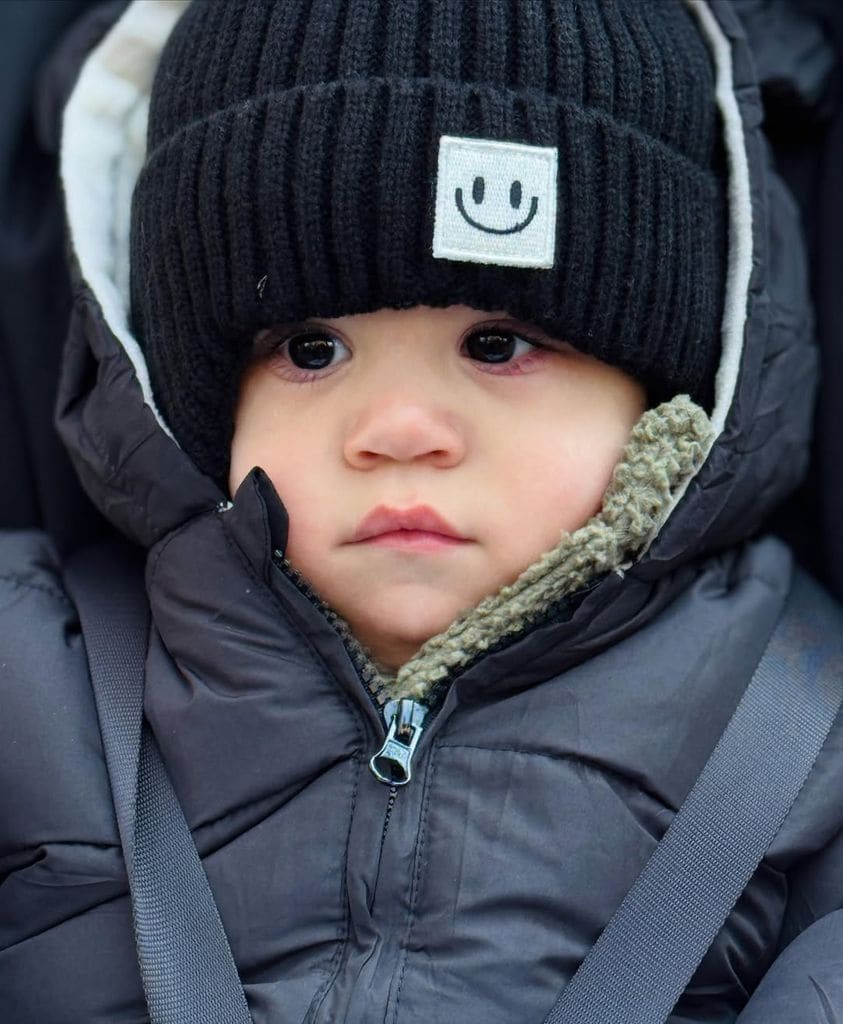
x: 550, y: 764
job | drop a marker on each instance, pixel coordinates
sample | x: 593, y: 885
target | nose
x: 399, y: 427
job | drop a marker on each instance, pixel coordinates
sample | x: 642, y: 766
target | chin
x: 393, y: 630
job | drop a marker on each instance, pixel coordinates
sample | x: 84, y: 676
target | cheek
x: 582, y: 481
x: 290, y: 468
x: 290, y: 458
x: 270, y: 434
x: 288, y: 464
x: 559, y: 475
x: 558, y: 491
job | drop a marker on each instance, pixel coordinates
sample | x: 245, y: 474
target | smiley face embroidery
x: 478, y: 192
x: 495, y: 202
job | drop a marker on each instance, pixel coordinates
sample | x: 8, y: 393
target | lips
x: 419, y: 520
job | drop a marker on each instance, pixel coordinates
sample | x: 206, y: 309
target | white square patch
x: 495, y: 203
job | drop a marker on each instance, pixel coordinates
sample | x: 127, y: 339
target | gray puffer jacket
x: 550, y: 764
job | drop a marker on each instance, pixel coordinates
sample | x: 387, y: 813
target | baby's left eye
x: 497, y: 346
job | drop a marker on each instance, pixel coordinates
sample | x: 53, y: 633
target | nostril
x: 478, y: 190
x: 515, y: 195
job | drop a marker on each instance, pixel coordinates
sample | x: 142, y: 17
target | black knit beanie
x: 559, y: 159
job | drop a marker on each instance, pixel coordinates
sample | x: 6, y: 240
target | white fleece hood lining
x: 103, y: 149
x: 104, y: 146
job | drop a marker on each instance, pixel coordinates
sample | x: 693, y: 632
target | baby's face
x: 426, y: 457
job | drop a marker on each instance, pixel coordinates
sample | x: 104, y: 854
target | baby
x: 451, y: 383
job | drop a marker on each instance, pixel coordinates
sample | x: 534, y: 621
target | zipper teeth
x: 393, y: 793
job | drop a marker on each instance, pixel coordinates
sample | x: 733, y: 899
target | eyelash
x: 276, y: 346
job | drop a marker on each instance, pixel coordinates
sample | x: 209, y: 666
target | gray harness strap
x: 648, y: 952
x: 189, y: 975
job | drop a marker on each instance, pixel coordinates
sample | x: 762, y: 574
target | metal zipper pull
x: 392, y: 763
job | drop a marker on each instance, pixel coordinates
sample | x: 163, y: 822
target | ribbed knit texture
x: 665, y: 449
x: 292, y: 166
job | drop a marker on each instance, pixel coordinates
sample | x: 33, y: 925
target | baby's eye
x: 493, y: 345
x: 315, y: 350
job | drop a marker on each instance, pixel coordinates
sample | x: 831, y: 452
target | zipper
x: 393, y: 763
x: 404, y: 719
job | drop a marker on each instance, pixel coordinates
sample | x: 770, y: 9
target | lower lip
x: 413, y: 540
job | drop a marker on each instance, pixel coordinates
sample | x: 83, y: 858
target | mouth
x: 534, y: 206
x: 420, y: 528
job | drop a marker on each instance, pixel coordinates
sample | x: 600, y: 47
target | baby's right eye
x: 315, y: 350
x: 301, y: 353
